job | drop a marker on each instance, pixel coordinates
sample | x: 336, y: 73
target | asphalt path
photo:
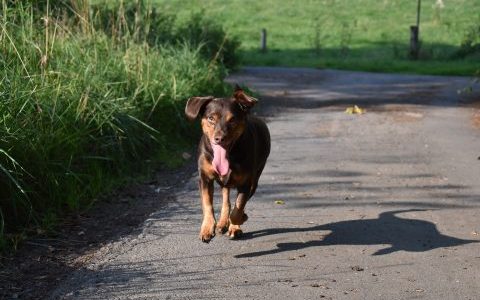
x: 382, y: 205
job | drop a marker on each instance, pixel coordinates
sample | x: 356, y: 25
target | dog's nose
x: 219, y: 139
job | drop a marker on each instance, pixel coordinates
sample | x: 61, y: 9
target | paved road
x: 384, y: 205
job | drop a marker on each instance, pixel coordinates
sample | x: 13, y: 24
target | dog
x: 233, y: 151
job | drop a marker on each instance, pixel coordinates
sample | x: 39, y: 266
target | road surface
x: 383, y: 205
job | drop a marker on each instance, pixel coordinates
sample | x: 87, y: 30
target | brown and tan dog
x: 233, y: 151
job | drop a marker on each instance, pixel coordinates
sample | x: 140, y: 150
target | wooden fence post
x: 414, y: 44
x: 263, y: 40
x: 414, y: 34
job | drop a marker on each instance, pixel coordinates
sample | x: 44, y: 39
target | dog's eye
x: 211, y: 119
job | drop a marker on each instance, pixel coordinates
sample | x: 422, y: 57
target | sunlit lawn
x: 370, y: 35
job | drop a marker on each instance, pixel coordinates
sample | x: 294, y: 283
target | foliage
x: 142, y: 22
x: 470, y: 44
x: 82, y: 108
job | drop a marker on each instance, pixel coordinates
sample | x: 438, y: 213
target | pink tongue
x: 220, y: 162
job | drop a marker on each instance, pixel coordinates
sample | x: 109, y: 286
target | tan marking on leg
x: 207, y: 230
x: 222, y: 225
x: 207, y: 169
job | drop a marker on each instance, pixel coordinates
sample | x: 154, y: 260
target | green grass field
x: 370, y: 35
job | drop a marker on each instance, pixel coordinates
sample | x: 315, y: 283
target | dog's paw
x: 222, y: 228
x: 234, y: 231
x: 207, y: 232
x: 238, y: 217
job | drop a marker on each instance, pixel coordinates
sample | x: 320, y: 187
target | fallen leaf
x: 279, y: 202
x: 358, y: 110
x: 354, y: 110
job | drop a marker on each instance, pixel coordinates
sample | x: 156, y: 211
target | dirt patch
x: 400, y: 113
x: 325, y: 130
x: 476, y: 119
x: 43, y: 261
x: 472, y: 100
x: 408, y: 116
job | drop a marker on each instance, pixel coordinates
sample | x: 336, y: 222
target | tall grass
x: 81, y: 107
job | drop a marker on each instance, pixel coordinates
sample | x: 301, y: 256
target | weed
x: 470, y: 44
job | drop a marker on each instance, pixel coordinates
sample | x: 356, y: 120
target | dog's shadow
x: 400, y: 233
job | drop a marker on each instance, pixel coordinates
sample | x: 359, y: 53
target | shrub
x: 142, y: 22
x: 81, y: 108
x: 471, y: 43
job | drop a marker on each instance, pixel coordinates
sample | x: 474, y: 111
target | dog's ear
x: 195, y: 105
x: 245, y: 101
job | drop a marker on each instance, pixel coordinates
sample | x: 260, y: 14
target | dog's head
x: 222, y: 119
x: 223, y: 122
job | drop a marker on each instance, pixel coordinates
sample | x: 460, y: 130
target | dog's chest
x: 236, y: 177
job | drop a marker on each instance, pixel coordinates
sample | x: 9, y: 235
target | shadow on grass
x: 388, y: 56
x: 401, y: 234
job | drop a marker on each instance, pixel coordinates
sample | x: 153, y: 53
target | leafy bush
x: 142, y: 22
x: 471, y: 42
x: 216, y: 44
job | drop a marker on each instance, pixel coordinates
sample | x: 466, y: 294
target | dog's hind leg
x: 234, y: 231
x: 253, y: 189
x: 238, y: 217
x: 222, y: 225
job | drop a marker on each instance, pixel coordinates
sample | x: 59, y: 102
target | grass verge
x: 86, y: 101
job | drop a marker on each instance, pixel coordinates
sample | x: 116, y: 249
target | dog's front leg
x: 207, y: 231
x: 222, y: 225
